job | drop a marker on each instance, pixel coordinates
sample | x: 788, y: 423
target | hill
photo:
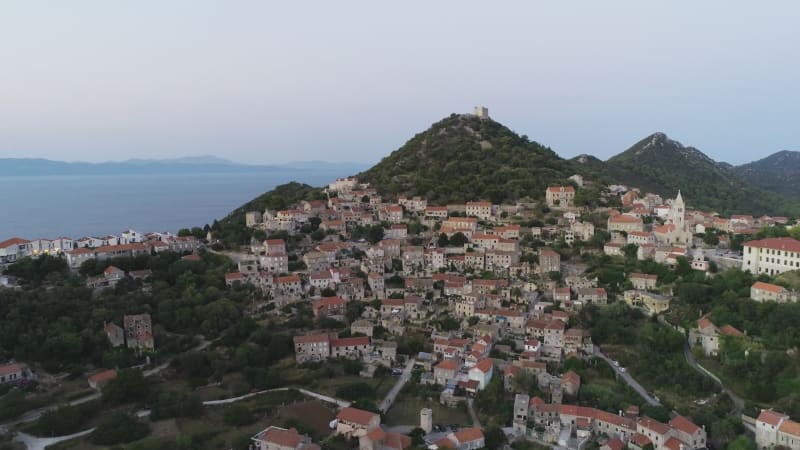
x: 232, y: 229
x: 778, y: 173
x: 462, y: 158
x: 662, y: 165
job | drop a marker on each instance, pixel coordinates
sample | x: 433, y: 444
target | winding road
x: 392, y: 394
x: 628, y: 379
x: 737, y: 401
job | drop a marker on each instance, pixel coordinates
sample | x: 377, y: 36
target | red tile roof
x: 105, y: 375
x: 13, y: 241
x: 468, y: 435
x: 350, y: 341
x: 771, y: 417
x: 681, y: 423
x: 311, y: 338
x: 357, y: 416
x: 769, y: 287
x: 447, y: 364
x: 790, y: 427
x: 282, y: 437
x: 654, y: 425
x: 729, y: 330
x: 8, y: 369
x: 782, y: 243
x: 484, y: 365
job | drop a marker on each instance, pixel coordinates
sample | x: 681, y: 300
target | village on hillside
x: 496, y: 292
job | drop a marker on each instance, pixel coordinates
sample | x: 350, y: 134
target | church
x: 674, y: 231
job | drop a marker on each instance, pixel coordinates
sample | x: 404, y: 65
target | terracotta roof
x: 771, y: 417
x: 571, y: 377
x: 536, y: 401
x: 624, y: 219
x: 468, y: 434
x: 350, y: 341
x: 790, y: 427
x: 654, y: 425
x: 556, y: 189
x: 288, y: 279
x: 615, y: 444
x: 80, y: 251
x: 614, y: 419
x: 13, y: 241
x: 484, y: 365
x: 644, y: 275
x: 328, y: 301
x: 105, y: 375
x: 282, y: 437
x: 121, y: 248
x: 234, y: 276
x: 355, y: 415
x: 447, y: 364
x: 303, y: 339
x: 782, y: 243
x: 7, y: 369
x: 674, y: 444
x: 704, y: 323
x: 445, y: 443
x: 640, y: 439
x: 683, y: 424
x: 769, y: 287
x: 729, y: 330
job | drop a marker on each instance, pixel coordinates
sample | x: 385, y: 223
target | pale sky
x: 270, y: 82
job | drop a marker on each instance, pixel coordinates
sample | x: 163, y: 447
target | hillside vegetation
x: 779, y: 173
x: 664, y: 166
x: 464, y: 158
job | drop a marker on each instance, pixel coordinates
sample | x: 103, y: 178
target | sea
x: 33, y: 207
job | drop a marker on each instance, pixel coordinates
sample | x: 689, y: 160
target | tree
x: 119, y: 428
x: 443, y: 241
x: 458, y: 240
x: 128, y: 386
x: 238, y: 415
x: 375, y: 234
x: 417, y: 437
x: 494, y: 437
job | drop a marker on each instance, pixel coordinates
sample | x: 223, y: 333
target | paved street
x: 737, y: 401
x: 475, y: 421
x: 392, y: 395
x: 628, y: 379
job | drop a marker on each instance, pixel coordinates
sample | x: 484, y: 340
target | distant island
x: 191, y: 164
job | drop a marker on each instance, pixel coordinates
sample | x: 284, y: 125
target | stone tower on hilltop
x: 481, y: 112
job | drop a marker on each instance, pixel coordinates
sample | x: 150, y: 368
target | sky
x: 272, y: 82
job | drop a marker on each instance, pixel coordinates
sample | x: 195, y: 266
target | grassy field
x: 405, y: 411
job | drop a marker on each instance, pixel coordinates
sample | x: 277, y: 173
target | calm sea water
x: 76, y: 206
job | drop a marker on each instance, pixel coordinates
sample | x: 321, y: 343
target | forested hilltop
x: 463, y: 158
x: 661, y: 165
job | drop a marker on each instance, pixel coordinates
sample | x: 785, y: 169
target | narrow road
x: 392, y: 395
x: 628, y: 379
x: 475, y: 422
x: 325, y: 398
x: 738, y: 403
x: 34, y: 414
x: 37, y: 443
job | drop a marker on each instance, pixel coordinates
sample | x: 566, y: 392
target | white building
x: 771, y: 256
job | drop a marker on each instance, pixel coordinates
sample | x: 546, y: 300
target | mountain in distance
x: 463, y: 157
x: 779, y: 173
x: 185, y: 165
x: 661, y: 165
